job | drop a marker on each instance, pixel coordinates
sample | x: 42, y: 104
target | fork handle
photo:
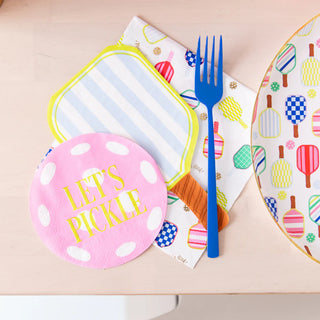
x: 212, y: 215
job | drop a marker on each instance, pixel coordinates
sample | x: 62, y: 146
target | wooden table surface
x: 45, y: 42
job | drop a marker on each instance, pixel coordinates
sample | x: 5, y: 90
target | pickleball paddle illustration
x: 259, y: 161
x: 266, y: 79
x: 286, y: 62
x: 281, y: 171
x: 316, y: 123
x: 293, y: 220
x: 314, y: 210
x: 296, y: 111
x: 197, y: 237
x: 310, y: 71
x: 232, y: 110
x: 306, y: 30
x: 190, y: 97
x: 272, y: 206
x: 307, y: 161
x: 165, y: 67
x: 152, y: 35
x: 218, y: 143
x: 242, y: 158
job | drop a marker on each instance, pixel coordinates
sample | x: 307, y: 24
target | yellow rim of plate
x: 251, y: 143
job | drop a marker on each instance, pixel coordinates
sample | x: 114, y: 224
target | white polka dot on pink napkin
x: 98, y: 200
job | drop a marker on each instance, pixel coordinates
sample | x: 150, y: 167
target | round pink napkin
x: 98, y: 200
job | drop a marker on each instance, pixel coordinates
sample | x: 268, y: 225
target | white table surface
x: 45, y: 42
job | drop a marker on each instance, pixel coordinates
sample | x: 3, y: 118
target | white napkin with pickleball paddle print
x: 182, y: 236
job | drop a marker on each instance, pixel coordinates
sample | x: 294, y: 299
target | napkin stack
x: 182, y: 236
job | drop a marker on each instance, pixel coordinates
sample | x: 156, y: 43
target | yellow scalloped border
x: 186, y: 157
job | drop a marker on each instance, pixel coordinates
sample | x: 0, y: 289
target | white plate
x: 286, y: 138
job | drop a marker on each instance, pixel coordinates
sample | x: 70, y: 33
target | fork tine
x: 212, y: 82
x: 197, y: 71
x: 205, y: 64
x: 220, y: 70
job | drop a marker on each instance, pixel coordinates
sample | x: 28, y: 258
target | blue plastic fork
x: 209, y: 93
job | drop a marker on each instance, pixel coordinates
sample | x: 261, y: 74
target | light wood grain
x: 42, y: 44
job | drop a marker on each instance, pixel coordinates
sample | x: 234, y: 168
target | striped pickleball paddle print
x: 307, y: 161
x: 286, y: 62
x: 259, y: 161
x: 293, y: 221
x: 269, y: 121
x: 172, y: 198
x: 197, y: 237
x: 267, y: 77
x: 316, y: 123
x: 314, y: 210
x: 165, y: 67
x: 218, y: 143
x: 190, y: 97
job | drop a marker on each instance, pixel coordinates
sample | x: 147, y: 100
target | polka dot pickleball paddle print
x: 98, y: 200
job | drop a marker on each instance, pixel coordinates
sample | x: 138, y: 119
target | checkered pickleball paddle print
x: 296, y: 109
x: 242, y: 159
x: 191, y: 58
x: 272, y: 205
x: 167, y: 234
